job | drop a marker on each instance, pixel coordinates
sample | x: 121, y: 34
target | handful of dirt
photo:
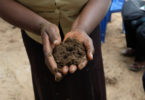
x: 71, y: 52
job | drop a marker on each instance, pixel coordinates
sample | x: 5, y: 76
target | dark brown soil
x: 71, y: 52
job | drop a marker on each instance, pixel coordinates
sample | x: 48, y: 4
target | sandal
x: 136, y: 67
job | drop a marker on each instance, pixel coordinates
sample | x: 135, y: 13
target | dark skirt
x: 87, y: 84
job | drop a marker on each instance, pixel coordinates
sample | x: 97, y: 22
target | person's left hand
x: 83, y: 37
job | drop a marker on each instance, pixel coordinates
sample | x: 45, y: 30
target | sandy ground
x: 15, y: 76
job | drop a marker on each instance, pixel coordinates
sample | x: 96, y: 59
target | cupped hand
x: 51, y: 38
x: 83, y: 37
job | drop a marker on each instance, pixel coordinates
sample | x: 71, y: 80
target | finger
x: 50, y: 62
x: 67, y: 36
x: 46, y: 44
x: 65, y: 70
x: 58, y: 76
x: 90, y: 48
x: 59, y: 37
x: 54, y: 36
x: 82, y: 64
x: 72, y: 69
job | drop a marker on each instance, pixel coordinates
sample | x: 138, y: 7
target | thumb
x: 90, y: 49
x: 55, y: 36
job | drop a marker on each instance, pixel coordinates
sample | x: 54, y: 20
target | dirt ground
x: 15, y: 76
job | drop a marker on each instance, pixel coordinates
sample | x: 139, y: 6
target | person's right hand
x: 51, y: 38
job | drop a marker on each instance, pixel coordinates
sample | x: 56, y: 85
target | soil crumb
x: 71, y: 52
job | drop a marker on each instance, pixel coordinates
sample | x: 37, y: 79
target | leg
x: 130, y: 34
x: 140, y: 48
x: 130, y: 39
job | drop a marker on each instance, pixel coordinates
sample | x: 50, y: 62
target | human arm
x: 20, y: 16
x: 91, y: 15
x: 89, y: 18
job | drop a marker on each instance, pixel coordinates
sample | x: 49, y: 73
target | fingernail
x: 55, y: 42
x: 65, y: 70
x: 73, y: 68
x: 91, y: 55
x: 58, y: 77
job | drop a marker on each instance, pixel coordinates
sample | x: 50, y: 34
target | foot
x: 137, y: 66
x: 128, y: 52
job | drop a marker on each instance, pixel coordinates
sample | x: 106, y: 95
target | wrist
x: 44, y: 25
x: 80, y: 30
